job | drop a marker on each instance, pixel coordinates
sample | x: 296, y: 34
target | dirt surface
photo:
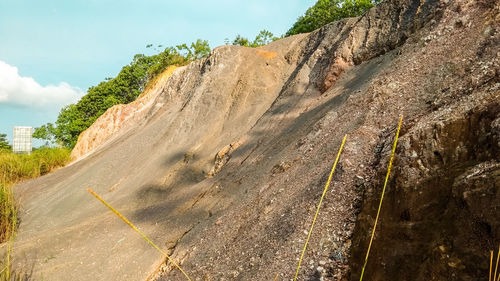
x: 225, y: 168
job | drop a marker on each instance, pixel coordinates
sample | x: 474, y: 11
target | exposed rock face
x: 225, y: 167
x: 119, y: 117
x: 442, y: 214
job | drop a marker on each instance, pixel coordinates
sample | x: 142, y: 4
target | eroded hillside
x: 225, y: 162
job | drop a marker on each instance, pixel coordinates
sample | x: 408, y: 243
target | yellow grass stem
x: 319, y: 206
x: 276, y: 278
x: 491, y: 262
x: 139, y: 232
x: 382, y: 197
x: 496, y: 266
x: 8, y: 265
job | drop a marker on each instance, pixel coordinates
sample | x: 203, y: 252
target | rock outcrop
x: 225, y: 165
x: 119, y: 117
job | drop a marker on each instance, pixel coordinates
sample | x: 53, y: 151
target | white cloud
x: 18, y: 90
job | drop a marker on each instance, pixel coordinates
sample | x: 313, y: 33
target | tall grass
x: 6, y: 272
x: 8, y: 213
x: 15, y: 168
x: 18, y: 167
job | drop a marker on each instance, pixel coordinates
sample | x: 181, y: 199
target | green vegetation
x: 133, y: 78
x: 13, y: 169
x: 263, y: 38
x: 327, y: 11
x: 18, y: 167
x: 122, y: 89
x: 8, y: 213
x: 4, y: 144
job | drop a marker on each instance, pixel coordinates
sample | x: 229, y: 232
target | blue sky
x: 52, y: 51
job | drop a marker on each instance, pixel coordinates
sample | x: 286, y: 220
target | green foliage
x: 8, y: 213
x: 124, y: 88
x: 170, y: 56
x: 17, y: 167
x: 197, y: 50
x: 263, y: 38
x: 241, y: 41
x: 46, y: 132
x: 327, y: 11
x: 4, y: 144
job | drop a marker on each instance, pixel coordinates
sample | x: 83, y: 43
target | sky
x: 52, y: 51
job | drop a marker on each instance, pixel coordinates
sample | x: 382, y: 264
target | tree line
x: 134, y: 77
x: 326, y: 11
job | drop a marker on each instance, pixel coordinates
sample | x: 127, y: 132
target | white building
x: 22, y: 142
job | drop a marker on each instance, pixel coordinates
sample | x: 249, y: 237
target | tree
x: 327, y: 11
x: 4, y: 144
x: 196, y: 50
x: 122, y: 89
x: 46, y: 132
x: 200, y: 49
x: 241, y: 41
x: 263, y: 38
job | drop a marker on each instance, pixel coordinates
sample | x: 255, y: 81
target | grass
x: 6, y: 272
x: 8, y: 213
x: 495, y: 278
x: 15, y: 168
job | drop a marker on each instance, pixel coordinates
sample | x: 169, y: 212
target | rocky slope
x: 225, y: 167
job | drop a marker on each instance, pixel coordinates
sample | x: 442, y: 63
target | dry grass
x: 15, y: 168
x: 18, y: 167
x: 6, y: 272
x: 8, y: 213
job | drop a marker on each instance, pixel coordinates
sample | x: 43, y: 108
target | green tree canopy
x: 47, y: 133
x: 327, y: 11
x: 4, y: 144
x: 124, y: 88
x: 263, y: 38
